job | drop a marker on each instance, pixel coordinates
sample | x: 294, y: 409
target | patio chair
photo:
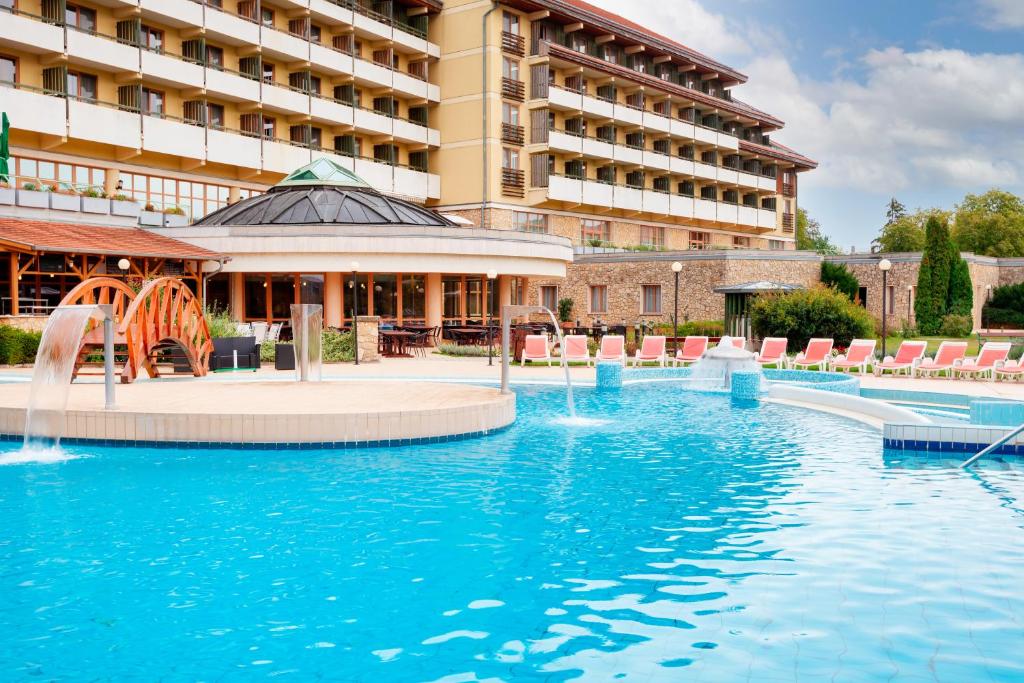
x: 693, y: 348
x: 816, y: 355
x: 244, y: 329
x: 908, y: 355
x: 651, y: 350
x: 773, y: 352
x: 1013, y: 369
x: 949, y: 355
x: 536, y: 349
x: 739, y: 342
x: 859, y: 356
x: 274, y: 333
x: 613, y: 348
x: 259, y: 330
x: 992, y: 355
x: 576, y: 349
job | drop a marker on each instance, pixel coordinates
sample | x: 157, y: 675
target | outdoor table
x: 394, y: 342
x: 467, y: 335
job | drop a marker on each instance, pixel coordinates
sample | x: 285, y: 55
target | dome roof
x: 323, y: 192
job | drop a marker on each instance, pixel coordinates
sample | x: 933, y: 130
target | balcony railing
x: 512, y: 135
x: 513, y: 44
x: 788, y: 222
x: 513, y: 180
x: 513, y: 89
x: 788, y: 190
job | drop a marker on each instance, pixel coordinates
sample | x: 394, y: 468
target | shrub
x: 121, y: 197
x: 338, y: 346
x: 268, y: 351
x: 838, y: 276
x: 449, y: 349
x: 701, y: 328
x: 565, y: 310
x: 220, y: 323
x: 18, y: 346
x: 94, y: 192
x: 174, y: 211
x: 956, y: 325
x: 817, y: 312
x: 31, y: 187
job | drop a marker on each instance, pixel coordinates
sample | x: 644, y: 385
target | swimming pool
x: 685, y: 538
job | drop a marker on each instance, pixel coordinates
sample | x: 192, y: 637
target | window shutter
x: 194, y: 50
x: 53, y: 11
x: 55, y: 79
x: 539, y: 170
x: 250, y: 67
x: 345, y: 93
x: 195, y: 112
x: 345, y: 144
x: 129, y: 31
x: 129, y: 97
x: 247, y: 9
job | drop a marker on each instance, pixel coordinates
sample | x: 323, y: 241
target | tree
x: 895, y: 211
x: 838, y: 277
x: 961, y: 291
x: 809, y: 236
x: 933, y: 277
x: 906, y: 232
x: 991, y: 224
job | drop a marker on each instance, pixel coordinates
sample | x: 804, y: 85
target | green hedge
x: 18, y: 346
x: 817, y: 312
x: 700, y: 328
x: 1005, y: 308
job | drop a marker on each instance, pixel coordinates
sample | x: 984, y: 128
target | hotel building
x: 551, y: 125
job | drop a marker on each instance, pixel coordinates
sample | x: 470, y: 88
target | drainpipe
x: 483, y: 95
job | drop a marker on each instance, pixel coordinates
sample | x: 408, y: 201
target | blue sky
x: 918, y: 99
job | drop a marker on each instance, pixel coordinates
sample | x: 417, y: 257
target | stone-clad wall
x: 625, y: 274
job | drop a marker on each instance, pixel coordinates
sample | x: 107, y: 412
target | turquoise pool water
x: 684, y: 539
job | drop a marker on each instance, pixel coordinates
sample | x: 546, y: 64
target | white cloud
x: 1001, y: 14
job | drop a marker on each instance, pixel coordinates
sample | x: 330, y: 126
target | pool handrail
x: 989, y: 449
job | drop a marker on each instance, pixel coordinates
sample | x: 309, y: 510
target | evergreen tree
x: 961, y: 292
x: 933, y: 277
x: 895, y: 211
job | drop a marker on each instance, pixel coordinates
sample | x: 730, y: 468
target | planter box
x: 95, y: 205
x: 65, y: 202
x: 7, y: 195
x: 151, y: 218
x: 120, y: 207
x: 175, y: 221
x: 33, y: 199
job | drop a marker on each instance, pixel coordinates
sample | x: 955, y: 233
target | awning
x: 73, y: 238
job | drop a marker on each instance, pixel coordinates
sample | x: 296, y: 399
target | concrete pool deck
x: 279, y: 412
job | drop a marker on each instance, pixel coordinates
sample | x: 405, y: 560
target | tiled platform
x: 328, y: 414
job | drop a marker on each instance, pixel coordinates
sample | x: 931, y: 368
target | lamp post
x: 355, y: 308
x: 677, y: 267
x: 884, y: 265
x: 910, y: 302
x: 491, y: 275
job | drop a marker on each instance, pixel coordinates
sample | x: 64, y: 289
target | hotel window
x: 8, y: 69
x: 35, y: 170
x: 518, y: 291
x: 635, y: 140
x: 418, y: 161
x: 741, y: 243
x: 610, y: 54
x: 606, y: 133
x: 699, y: 239
x: 267, y: 17
x: 413, y: 297
x: 152, y: 102
x: 214, y: 115
x: 651, y: 296
x: 607, y: 175
x: 257, y: 125
x: 663, y: 184
x: 685, y: 188
x: 152, y: 38
x: 776, y: 245
x: 635, y: 100
x: 510, y: 68
x: 663, y: 147
x: 305, y: 135
x: 730, y: 197
x: 510, y: 23
x: 768, y: 203
x: 606, y: 93
x: 215, y: 57
x: 709, y: 192
x: 510, y: 113
x: 82, y: 86
x: 598, y: 299
x: 576, y: 169
x: 652, y: 235
x: 686, y: 151
x: 635, y: 179
x: 451, y: 297
x: 386, y: 154
x: 549, y: 297
x: 530, y: 222
x: 81, y: 18
x: 591, y: 230
x: 576, y: 84
x: 315, y: 33
x: 509, y: 158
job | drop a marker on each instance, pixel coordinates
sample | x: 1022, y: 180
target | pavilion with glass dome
x: 323, y: 235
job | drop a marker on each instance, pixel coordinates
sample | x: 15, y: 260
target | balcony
x: 657, y: 202
x: 167, y: 70
x: 369, y: 120
x: 101, y: 52
x: 30, y: 33
x: 411, y: 183
x: 331, y: 11
x: 629, y: 155
x: 171, y: 136
x: 379, y: 175
x: 657, y: 122
x: 331, y: 61
x: 681, y: 166
x: 564, y: 142
x: 513, y: 89
x: 373, y: 73
x: 657, y: 160
x: 788, y: 190
x: 681, y: 206
x: 512, y: 135
x: 331, y: 112
x: 232, y: 85
x: 766, y: 219
x: 766, y: 183
x: 627, y: 114
x: 104, y: 124
x: 628, y: 198
x: 281, y: 157
x: 29, y: 109
x: 747, y: 215
x: 707, y: 171
x: 513, y: 182
x: 285, y: 100
x: 598, y: 194
x: 705, y: 209
x: 410, y: 85
x: 747, y: 179
x: 706, y: 135
x: 411, y: 132
x: 383, y: 27
x: 513, y: 44
x: 562, y: 99
x: 231, y: 28
x: 598, y: 148
x: 564, y: 189
x: 284, y: 46
x: 728, y: 175
x: 223, y: 147
x: 683, y: 129
x: 728, y: 213
x: 597, y: 107
x: 788, y: 222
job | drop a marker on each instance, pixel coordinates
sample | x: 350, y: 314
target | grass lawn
x: 892, y: 343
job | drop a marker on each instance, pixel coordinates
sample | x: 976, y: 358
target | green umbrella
x: 4, y: 153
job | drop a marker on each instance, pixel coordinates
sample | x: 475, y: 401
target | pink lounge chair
x: 613, y: 348
x: 907, y: 356
x: 739, y: 342
x: 949, y: 355
x: 536, y: 349
x: 576, y: 349
x: 815, y: 355
x: 859, y: 355
x: 693, y: 348
x: 652, y: 349
x: 1013, y: 369
x: 773, y: 352
x: 992, y: 356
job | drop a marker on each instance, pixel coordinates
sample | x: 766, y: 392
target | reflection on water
x: 683, y: 539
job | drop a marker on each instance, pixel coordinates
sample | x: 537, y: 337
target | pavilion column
x: 504, y: 291
x: 236, y: 285
x: 332, y: 299
x: 234, y: 194
x: 110, y: 178
x: 432, y: 297
x: 14, y: 283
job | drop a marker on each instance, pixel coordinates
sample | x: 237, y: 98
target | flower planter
x: 120, y: 207
x: 95, y: 205
x: 65, y: 202
x: 151, y: 218
x: 172, y: 220
x: 33, y: 199
x: 7, y: 195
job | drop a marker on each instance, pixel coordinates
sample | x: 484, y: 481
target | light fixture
x: 354, y: 266
x: 677, y: 267
x: 124, y: 264
x: 884, y: 265
x: 491, y: 274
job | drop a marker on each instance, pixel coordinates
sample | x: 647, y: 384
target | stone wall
x: 29, y: 323
x: 368, y: 338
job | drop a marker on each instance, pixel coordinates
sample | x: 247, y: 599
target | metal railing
x: 994, y: 447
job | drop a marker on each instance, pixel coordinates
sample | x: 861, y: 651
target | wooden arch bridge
x: 164, y: 316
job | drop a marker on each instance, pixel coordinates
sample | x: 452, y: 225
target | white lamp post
x: 884, y: 265
x: 355, y: 308
x: 677, y: 268
x: 491, y: 275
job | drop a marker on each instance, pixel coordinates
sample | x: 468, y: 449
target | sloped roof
x: 757, y: 287
x: 323, y: 171
x: 73, y: 238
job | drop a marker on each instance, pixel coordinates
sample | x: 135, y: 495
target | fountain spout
x: 507, y: 313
